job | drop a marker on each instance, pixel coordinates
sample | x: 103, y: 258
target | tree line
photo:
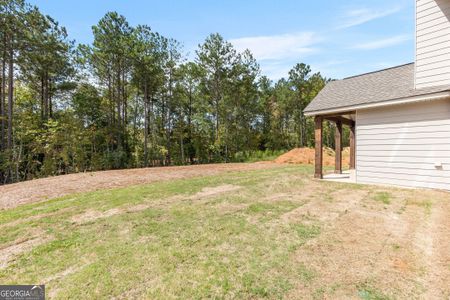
x: 131, y: 98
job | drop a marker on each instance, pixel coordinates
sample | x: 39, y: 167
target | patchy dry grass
x: 383, y: 197
x: 273, y: 233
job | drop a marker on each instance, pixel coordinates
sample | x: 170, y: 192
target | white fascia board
x: 428, y: 97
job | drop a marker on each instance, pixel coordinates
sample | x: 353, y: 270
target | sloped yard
x: 267, y: 233
x: 31, y: 191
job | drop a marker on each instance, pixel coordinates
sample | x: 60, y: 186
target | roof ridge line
x: 377, y: 71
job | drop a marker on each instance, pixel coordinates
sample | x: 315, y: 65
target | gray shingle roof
x: 380, y: 86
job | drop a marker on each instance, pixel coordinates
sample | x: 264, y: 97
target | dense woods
x: 132, y: 99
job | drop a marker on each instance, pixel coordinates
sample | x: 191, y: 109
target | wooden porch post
x: 338, y: 148
x: 318, y: 120
x: 352, y: 147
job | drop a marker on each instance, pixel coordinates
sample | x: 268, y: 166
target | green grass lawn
x: 227, y: 236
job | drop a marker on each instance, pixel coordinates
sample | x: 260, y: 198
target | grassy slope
x: 179, y: 247
x: 173, y: 239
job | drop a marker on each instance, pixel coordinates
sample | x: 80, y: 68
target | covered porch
x: 340, y: 120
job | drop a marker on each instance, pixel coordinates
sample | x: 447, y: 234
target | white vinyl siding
x: 432, y: 43
x: 402, y: 144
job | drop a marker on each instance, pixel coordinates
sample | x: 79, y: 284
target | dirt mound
x: 306, y: 156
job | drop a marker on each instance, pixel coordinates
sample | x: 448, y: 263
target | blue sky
x: 337, y: 38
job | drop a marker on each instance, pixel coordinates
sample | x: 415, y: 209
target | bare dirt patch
x: 216, y: 190
x: 9, y: 253
x: 366, y: 244
x: 23, y: 220
x: 433, y: 239
x: 70, y: 270
x: 92, y: 215
x: 54, y: 290
x: 31, y: 191
x: 207, y: 192
x: 325, y: 210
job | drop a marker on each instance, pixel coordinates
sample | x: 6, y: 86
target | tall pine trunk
x: 125, y: 99
x: 49, y: 95
x: 191, y: 154
x: 163, y: 123
x: 45, y: 97
x: 145, y: 126
x: 169, y: 119
x: 151, y: 129
x: 168, y: 137
x: 10, y: 98
x: 42, y: 99
x: 119, y: 112
x: 217, y: 120
x: 3, y: 103
x: 182, y: 147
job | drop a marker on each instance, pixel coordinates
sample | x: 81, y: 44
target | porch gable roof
x: 388, y: 86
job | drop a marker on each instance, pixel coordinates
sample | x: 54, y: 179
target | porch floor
x: 344, y: 177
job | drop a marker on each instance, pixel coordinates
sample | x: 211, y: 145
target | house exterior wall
x: 432, y: 43
x: 405, y: 145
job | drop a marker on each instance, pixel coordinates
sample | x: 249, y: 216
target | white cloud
x: 383, y: 43
x: 278, y: 47
x: 360, y: 16
x: 277, y: 69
